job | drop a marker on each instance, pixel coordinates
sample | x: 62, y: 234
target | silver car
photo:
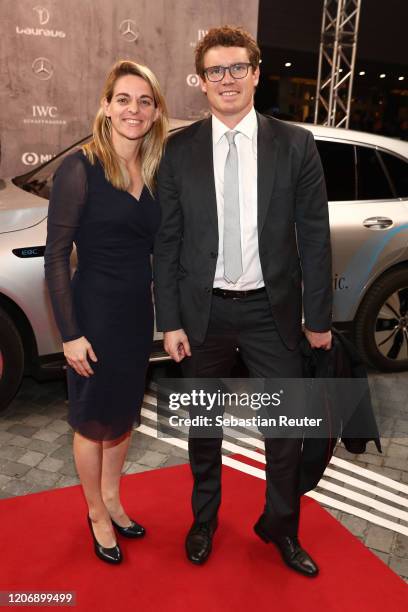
x: 367, y: 182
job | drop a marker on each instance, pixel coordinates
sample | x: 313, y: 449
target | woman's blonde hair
x: 101, y: 146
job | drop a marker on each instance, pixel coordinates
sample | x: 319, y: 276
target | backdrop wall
x: 54, y: 57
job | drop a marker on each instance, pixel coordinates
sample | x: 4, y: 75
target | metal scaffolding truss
x: 337, y: 56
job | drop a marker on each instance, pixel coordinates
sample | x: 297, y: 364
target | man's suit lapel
x: 203, y: 171
x: 268, y: 147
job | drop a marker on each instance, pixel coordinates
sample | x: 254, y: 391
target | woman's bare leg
x: 88, y: 455
x: 114, y: 454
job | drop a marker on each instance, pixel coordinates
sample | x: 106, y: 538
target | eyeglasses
x: 237, y: 71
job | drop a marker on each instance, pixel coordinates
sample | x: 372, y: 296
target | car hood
x: 19, y: 209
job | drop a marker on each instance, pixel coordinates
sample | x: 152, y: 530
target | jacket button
x: 208, y: 290
x: 213, y: 254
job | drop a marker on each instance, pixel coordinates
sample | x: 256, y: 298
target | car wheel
x: 11, y: 360
x: 381, y: 326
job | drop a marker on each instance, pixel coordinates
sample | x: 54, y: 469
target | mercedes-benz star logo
x: 129, y: 30
x: 42, y: 68
x: 43, y: 14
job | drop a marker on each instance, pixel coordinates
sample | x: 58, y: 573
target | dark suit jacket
x: 293, y: 230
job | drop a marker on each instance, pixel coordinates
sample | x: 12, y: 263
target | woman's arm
x: 68, y: 197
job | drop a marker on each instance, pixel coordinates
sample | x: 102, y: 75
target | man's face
x: 229, y: 99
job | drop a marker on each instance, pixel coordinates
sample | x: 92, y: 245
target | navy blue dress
x: 109, y: 299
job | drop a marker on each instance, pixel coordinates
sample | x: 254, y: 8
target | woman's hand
x: 76, y: 353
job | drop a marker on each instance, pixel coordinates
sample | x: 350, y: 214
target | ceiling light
x: 362, y: 72
x: 288, y: 64
x: 401, y: 78
x: 382, y: 75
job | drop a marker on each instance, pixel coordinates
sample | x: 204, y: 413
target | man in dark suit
x: 244, y: 222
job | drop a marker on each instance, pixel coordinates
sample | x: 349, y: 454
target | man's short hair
x: 226, y: 36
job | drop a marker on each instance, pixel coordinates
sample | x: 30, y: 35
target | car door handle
x: 378, y: 223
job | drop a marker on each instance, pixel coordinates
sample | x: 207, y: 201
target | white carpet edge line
x: 341, y: 463
x: 149, y: 431
x: 356, y: 469
x: 257, y: 473
x: 354, y: 482
x: 260, y: 458
x: 328, y: 472
x: 228, y: 431
x: 363, y: 499
x: 364, y: 514
x: 323, y: 499
x: 342, y: 491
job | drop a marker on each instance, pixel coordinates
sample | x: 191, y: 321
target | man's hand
x: 176, y: 344
x: 320, y: 340
x: 76, y: 353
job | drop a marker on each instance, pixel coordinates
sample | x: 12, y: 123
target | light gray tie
x: 232, y: 226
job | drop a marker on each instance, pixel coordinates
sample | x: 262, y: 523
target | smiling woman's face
x: 229, y: 99
x: 131, y: 109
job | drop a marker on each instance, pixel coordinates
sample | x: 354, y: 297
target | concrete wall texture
x: 54, y: 57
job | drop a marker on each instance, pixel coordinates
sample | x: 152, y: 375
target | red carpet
x: 45, y: 545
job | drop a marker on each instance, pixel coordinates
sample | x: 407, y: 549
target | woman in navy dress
x: 103, y: 201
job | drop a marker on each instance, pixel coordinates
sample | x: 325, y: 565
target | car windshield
x: 39, y: 180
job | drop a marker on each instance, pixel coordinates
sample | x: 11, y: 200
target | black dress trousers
x: 246, y: 324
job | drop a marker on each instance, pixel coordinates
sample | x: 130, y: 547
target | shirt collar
x: 247, y: 126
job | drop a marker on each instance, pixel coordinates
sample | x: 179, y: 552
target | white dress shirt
x: 246, y: 142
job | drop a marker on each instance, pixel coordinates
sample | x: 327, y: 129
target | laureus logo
x: 129, y: 30
x: 43, y: 14
x: 42, y: 68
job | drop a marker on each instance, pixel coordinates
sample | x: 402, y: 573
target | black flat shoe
x: 110, y: 555
x: 133, y: 531
x: 292, y: 553
x: 199, y: 541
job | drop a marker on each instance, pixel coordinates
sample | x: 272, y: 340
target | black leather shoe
x: 199, y: 541
x: 133, y: 531
x: 292, y: 553
x: 110, y: 555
